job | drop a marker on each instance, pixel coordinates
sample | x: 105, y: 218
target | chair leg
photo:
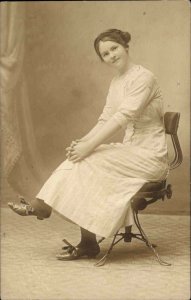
x: 102, y: 261
x: 146, y: 240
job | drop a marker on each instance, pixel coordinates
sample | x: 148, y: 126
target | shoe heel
x: 40, y: 218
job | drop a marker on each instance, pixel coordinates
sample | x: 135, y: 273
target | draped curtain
x: 21, y: 162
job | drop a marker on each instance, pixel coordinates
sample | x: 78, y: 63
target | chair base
x: 127, y: 237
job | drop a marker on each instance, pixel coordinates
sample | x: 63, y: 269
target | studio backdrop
x: 53, y: 85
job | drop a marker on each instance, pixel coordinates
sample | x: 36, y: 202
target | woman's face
x: 114, y: 54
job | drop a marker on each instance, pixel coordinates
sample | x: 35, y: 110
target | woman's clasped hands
x: 78, y: 150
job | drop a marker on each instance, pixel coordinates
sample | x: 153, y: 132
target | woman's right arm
x: 103, y: 118
x: 89, y: 135
x: 92, y: 132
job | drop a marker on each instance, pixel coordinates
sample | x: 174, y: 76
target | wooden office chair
x: 150, y: 193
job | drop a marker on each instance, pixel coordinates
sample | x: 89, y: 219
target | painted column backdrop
x: 67, y: 83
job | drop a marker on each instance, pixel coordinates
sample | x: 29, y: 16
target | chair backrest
x: 171, y: 122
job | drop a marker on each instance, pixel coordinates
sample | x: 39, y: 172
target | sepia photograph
x: 95, y: 150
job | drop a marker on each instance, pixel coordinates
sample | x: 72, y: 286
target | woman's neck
x: 126, y: 69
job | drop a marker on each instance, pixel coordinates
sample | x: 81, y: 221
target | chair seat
x: 152, y: 186
x: 151, y: 189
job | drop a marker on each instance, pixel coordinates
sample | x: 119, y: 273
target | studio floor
x: 29, y: 269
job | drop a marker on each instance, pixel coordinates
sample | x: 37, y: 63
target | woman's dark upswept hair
x: 115, y: 35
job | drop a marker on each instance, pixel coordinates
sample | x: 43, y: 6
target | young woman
x: 94, y: 185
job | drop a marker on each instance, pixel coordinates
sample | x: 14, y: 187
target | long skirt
x: 95, y: 193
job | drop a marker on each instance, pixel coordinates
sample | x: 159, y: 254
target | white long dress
x: 95, y: 193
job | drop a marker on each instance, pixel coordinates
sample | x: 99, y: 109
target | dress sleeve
x: 136, y: 98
